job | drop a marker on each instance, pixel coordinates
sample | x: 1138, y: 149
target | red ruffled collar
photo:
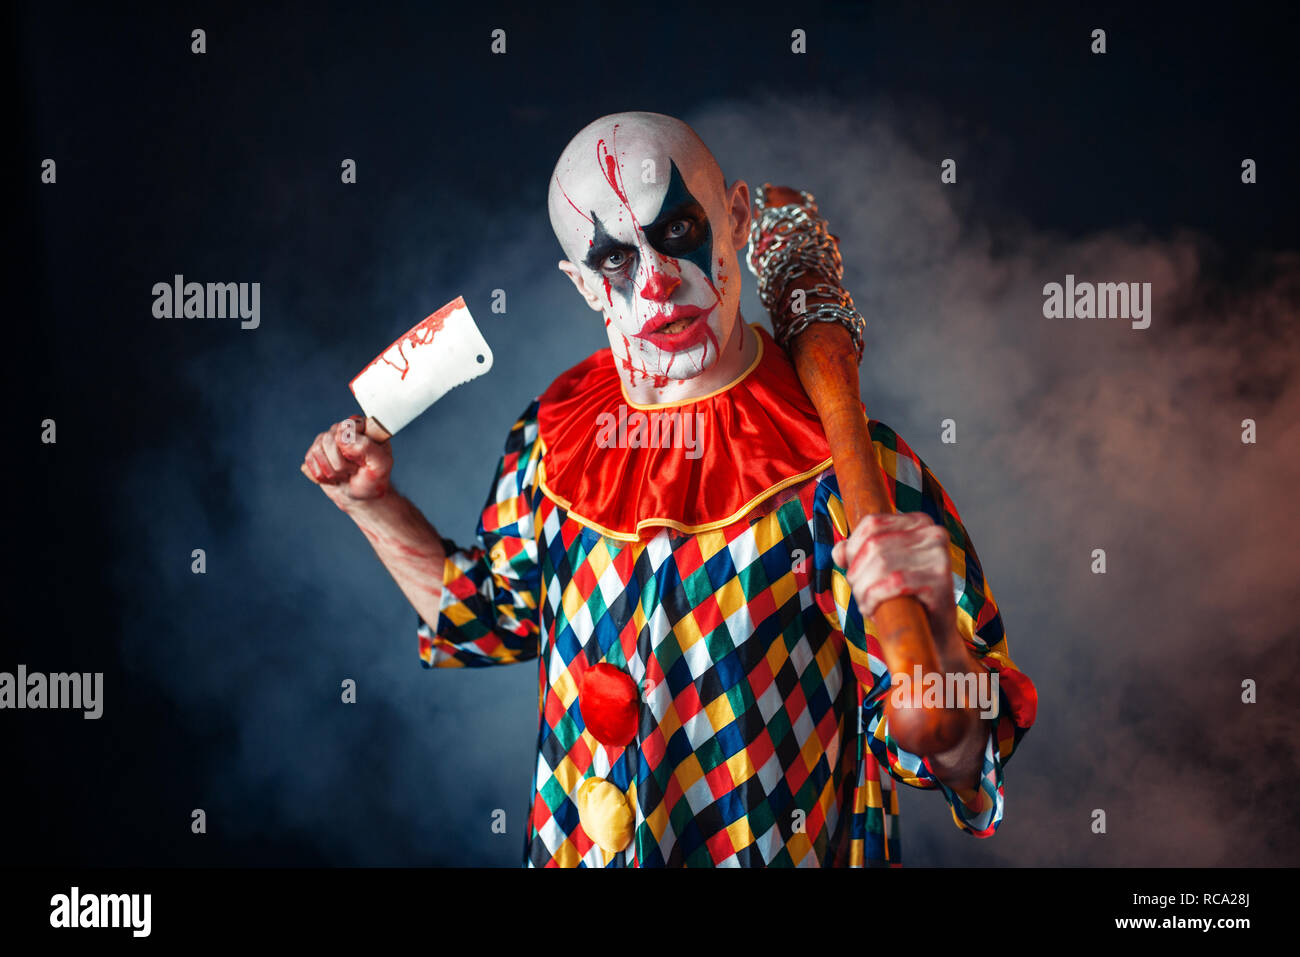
x: 742, y: 444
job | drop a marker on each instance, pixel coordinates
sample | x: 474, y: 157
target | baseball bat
x: 826, y: 362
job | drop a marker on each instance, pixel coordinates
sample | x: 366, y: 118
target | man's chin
x: 683, y: 365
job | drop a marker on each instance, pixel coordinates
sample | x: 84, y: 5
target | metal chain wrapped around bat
x: 790, y: 249
x: 790, y: 241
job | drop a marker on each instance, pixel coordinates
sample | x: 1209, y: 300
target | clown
x: 711, y: 688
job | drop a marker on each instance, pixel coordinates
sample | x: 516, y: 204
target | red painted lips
x: 679, y: 329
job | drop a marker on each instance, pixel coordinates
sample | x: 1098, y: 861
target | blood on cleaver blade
x: 405, y: 379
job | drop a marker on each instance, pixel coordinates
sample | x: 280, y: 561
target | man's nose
x: 659, y: 284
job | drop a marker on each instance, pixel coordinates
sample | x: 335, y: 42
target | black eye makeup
x: 680, y: 230
x: 606, y: 254
x: 616, y: 260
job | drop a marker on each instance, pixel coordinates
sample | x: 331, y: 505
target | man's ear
x: 572, y: 271
x: 738, y: 207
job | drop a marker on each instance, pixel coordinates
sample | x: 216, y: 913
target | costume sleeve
x: 913, y: 487
x: 491, y: 589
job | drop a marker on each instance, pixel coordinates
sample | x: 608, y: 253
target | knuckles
x: 363, y: 466
x: 887, y: 556
x: 872, y: 527
x: 903, y: 550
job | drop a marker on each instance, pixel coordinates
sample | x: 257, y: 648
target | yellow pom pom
x: 605, y: 815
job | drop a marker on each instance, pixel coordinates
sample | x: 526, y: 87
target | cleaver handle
x: 376, y: 431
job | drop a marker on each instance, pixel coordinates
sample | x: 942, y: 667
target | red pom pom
x: 610, y: 705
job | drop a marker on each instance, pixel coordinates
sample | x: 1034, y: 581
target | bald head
x: 648, y: 144
x: 650, y: 230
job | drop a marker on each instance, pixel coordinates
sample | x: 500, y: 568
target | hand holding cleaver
x: 440, y: 352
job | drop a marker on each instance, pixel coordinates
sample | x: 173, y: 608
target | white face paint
x: 649, y: 232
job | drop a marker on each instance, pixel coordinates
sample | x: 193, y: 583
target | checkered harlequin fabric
x: 761, y: 739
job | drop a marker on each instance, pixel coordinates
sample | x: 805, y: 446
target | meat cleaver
x: 441, y: 352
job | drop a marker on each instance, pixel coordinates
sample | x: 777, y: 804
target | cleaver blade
x: 440, y: 352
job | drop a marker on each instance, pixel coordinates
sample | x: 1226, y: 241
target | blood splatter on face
x: 640, y: 231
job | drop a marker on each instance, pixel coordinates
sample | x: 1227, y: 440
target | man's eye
x: 679, y: 228
x: 615, y: 260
